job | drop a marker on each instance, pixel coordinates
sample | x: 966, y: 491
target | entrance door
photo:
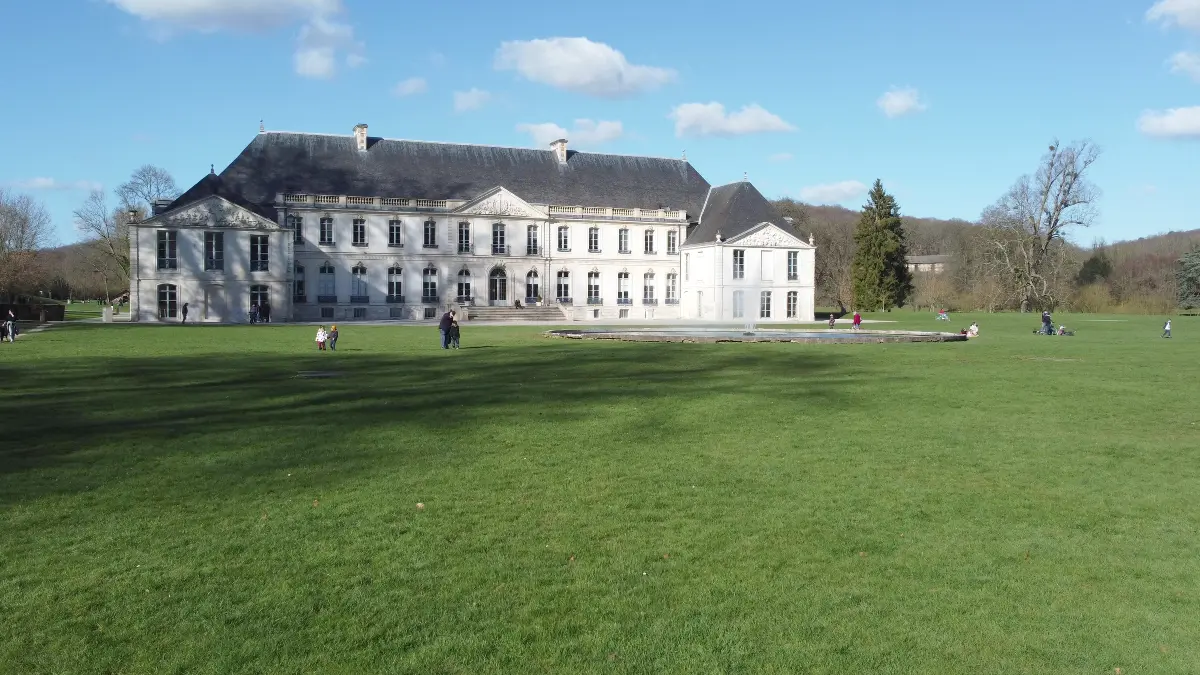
x: 497, y: 288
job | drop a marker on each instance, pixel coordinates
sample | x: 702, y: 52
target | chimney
x: 360, y: 136
x: 811, y: 241
x: 160, y: 206
x: 560, y: 150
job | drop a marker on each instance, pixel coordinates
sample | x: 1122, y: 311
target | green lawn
x: 175, y: 500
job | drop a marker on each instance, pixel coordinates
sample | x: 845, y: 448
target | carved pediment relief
x: 500, y: 203
x: 215, y: 212
x: 768, y: 236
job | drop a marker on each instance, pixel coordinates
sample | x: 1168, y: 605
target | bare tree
x: 24, y: 229
x: 108, y: 233
x: 145, y: 186
x: 1027, y: 227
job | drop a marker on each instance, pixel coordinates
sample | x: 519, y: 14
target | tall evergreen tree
x: 880, y: 268
x: 1188, y: 280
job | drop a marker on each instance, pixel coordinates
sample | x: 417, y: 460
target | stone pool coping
x: 765, y: 335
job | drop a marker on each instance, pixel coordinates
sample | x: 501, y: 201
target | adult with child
x: 444, y: 328
x: 454, y: 333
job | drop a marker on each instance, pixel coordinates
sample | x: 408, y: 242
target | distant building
x: 337, y: 228
x: 928, y: 263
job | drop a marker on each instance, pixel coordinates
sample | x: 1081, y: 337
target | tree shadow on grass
x: 116, y: 413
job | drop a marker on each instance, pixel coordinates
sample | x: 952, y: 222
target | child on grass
x: 322, y: 336
x: 332, y: 337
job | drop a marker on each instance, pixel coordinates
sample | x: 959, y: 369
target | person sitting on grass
x: 973, y: 331
x: 322, y: 336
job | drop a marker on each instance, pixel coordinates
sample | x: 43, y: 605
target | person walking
x: 1167, y: 329
x: 10, y: 325
x: 184, y: 319
x: 322, y: 336
x: 332, y: 338
x: 444, y: 328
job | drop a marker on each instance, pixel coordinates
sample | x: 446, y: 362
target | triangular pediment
x: 213, y: 212
x: 500, y: 203
x: 768, y: 235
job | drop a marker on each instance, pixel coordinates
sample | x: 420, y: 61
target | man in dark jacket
x: 444, y: 328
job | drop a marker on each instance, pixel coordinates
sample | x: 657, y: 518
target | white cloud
x: 585, y: 133
x: 413, y: 85
x: 710, y: 119
x: 833, y: 193
x: 1186, y: 63
x: 55, y: 184
x: 320, y: 44
x: 580, y: 65
x: 470, y: 100
x: 1171, y: 123
x: 1182, y: 13
x: 897, y: 102
x: 781, y: 157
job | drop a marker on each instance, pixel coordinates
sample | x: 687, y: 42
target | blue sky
x: 946, y: 102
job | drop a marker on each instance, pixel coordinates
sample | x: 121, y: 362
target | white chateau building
x: 338, y: 228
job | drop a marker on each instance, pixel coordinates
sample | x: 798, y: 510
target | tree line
x: 1017, y: 256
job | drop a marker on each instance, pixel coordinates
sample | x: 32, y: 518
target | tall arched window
x: 358, y: 284
x: 533, y: 289
x: 464, y: 285
x: 672, y: 294
x: 531, y: 241
x: 429, y: 279
x: 395, y: 284
x: 258, y: 296
x: 498, y: 286
x: 649, y: 241
x: 168, y: 301
x: 326, y: 284
x: 648, y: 289
x: 563, y: 289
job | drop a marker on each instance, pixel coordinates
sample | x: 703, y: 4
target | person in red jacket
x: 857, y: 320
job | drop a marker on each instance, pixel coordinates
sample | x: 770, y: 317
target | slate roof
x: 927, y: 259
x: 277, y: 162
x: 213, y: 184
x: 733, y: 209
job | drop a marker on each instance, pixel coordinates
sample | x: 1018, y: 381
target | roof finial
x: 212, y: 169
x: 262, y: 129
x: 745, y: 176
x: 685, y: 155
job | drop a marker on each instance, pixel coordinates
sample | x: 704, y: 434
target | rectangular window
x: 395, y: 284
x: 764, y: 305
x: 563, y: 289
x: 168, y: 250
x: 168, y: 302
x: 326, y: 312
x: 214, y: 251
x: 360, y: 232
x: 649, y: 241
x: 431, y: 312
x: 464, y: 237
x: 768, y: 265
x: 739, y: 264
x: 648, y: 289
x: 672, y: 242
x: 623, y: 314
x: 396, y: 234
x: 296, y: 223
x: 429, y: 284
x: 739, y: 304
x: 360, y: 312
x: 358, y: 285
x: 623, y: 241
x: 623, y: 288
x: 564, y: 238
x: 430, y: 234
x: 498, y: 245
x: 687, y: 266
x: 593, y: 287
x: 793, y: 302
x: 531, y: 241
x: 258, y: 253
x: 593, y: 240
x: 672, y: 288
x: 298, y: 290
x: 327, y: 231
x: 793, y: 265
